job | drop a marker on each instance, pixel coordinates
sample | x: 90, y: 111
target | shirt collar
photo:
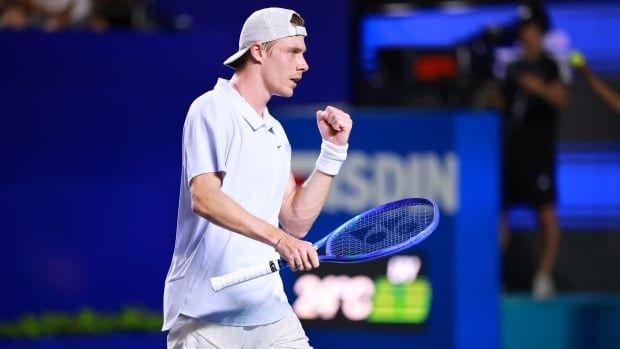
x: 241, y: 105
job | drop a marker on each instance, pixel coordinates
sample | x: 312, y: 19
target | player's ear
x: 257, y: 53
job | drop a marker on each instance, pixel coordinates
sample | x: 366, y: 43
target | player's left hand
x: 334, y: 125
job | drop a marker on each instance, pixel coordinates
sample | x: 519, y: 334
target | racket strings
x: 381, y: 230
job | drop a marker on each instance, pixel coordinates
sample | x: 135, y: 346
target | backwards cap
x: 263, y: 26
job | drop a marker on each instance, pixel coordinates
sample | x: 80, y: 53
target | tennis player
x: 534, y: 96
x: 237, y: 189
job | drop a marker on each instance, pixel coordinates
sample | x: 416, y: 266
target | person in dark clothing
x: 534, y: 96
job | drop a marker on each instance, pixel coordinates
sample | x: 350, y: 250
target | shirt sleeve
x: 206, y: 139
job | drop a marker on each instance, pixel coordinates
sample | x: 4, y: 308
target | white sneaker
x: 543, y: 287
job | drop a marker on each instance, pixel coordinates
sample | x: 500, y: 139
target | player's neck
x: 532, y: 52
x: 248, y: 89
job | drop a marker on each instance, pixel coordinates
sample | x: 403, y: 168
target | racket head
x: 381, y: 231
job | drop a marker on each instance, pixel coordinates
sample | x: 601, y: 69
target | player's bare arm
x: 211, y: 203
x: 611, y: 98
x: 302, y: 205
x: 553, y: 92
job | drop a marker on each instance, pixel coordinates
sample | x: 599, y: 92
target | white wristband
x: 331, y: 157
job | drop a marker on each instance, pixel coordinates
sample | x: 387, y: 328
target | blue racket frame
x: 384, y: 252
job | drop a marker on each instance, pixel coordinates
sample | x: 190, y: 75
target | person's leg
x: 511, y: 194
x: 178, y: 335
x: 551, y: 238
x: 549, y: 241
x: 190, y: 333
x: 513, y: 190
x: 287, y: 334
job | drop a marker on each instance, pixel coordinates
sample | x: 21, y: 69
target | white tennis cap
x: 265, y: 25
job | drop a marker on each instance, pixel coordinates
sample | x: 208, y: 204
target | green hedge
x: 85, y: 322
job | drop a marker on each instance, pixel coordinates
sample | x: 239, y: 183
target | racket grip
x: 246, y: 274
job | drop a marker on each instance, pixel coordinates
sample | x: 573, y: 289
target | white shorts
x: 190, y: 333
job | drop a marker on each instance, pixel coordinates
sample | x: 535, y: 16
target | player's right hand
x: 300, y: 255
x: 334, y: 125
x: 577, y: 60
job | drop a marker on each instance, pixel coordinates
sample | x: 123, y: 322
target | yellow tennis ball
x: 577, y: 59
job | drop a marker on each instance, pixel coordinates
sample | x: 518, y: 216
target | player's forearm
x: 602, y: 90
x: 222, y: 210
x: 553, y: 92
x: 556, y: 94
x: 301, y: 209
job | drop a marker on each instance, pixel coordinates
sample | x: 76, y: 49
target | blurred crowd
x: 60, y: 15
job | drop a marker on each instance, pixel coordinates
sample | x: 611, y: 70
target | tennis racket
x: 378, y: 232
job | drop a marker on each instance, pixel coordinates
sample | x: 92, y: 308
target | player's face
x: 284, y: 66
x: 531, y: 36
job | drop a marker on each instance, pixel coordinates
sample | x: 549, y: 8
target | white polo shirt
x: 222, y: 133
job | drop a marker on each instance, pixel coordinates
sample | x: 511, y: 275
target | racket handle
x: 243, y: 275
